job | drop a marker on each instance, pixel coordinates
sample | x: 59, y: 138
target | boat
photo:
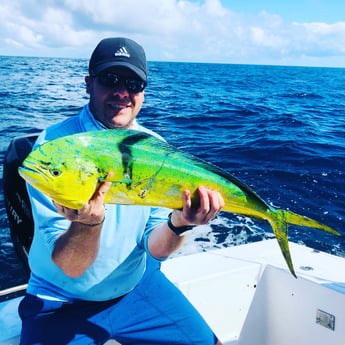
x: 246, y: 293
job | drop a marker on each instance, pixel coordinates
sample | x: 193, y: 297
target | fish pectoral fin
x: 143, y: 187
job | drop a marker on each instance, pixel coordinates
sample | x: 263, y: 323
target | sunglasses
x: 112, y: 80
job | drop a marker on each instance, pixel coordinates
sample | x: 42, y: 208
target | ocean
x: 279, y: 129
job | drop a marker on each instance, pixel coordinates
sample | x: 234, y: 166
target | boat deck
x: 249, y: 297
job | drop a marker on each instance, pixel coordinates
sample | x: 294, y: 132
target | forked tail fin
x: 280, y: 229
x: 296, y: 219
x: 279, y: 223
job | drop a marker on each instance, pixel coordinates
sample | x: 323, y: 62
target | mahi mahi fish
x: 146, y: 171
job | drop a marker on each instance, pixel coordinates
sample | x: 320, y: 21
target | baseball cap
x: 118, y: 51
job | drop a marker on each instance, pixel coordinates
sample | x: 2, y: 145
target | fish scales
x: 145, y: 171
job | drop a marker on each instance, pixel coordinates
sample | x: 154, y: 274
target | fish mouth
x: 44, y: 183
x: 39, y: 180
x: 31, y: 174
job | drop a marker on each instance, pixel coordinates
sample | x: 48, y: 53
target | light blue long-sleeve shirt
x: 121, y: 259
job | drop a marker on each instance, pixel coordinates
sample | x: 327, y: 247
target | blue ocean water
x: 281, y: 130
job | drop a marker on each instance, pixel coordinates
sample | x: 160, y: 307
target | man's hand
x: 92, y: 212
x: 76, y: 249
x: 163, y: 241
x: 211, y: 202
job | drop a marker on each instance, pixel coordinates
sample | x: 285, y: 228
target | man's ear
x: 88, y: 83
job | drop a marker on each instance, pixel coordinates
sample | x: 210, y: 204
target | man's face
x: 115, y: 106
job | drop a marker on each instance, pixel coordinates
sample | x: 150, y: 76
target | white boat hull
x: 249, y: 297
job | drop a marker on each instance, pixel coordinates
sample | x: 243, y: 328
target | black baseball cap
x: 119, y: 51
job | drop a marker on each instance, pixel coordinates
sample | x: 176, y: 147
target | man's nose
x: 120, y: 88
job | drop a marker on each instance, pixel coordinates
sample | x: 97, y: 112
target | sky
x: 269, y: 32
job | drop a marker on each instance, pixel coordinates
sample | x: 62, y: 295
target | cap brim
x: 140, y: 73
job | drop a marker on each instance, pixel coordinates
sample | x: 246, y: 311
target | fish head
x: 64, y: 173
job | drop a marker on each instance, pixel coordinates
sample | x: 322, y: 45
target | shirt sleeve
x: 49, y: 224
x: 158, y: 215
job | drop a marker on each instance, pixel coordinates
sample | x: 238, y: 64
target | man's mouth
x: 119, y: 106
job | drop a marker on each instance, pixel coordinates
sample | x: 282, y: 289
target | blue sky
x: 293, y: 32
x: 330, y: 11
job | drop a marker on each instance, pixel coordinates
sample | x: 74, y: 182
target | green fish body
x: 146, y: 171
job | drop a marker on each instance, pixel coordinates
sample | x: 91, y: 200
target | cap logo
x: 122, y: 52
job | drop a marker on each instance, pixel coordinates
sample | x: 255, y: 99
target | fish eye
x: 55, y: 172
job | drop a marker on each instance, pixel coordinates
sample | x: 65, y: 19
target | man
x: 95, y: 271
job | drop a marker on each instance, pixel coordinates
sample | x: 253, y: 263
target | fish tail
x: 279, y: 221
x: 280, y: 229
x: 296, y: 219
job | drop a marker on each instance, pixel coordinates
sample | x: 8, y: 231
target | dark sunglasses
x: 113, y: 80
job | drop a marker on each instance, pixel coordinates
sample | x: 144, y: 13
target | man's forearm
x: 163, y: 241
x: 77, y: 248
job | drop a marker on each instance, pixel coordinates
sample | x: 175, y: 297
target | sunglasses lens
x: 108, y: 80
x: 134, y: 85
x: 112, y: 80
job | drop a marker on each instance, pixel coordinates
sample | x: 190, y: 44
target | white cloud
x: 214, y: 8
x: 327, y: 37
x: 180, y: 30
